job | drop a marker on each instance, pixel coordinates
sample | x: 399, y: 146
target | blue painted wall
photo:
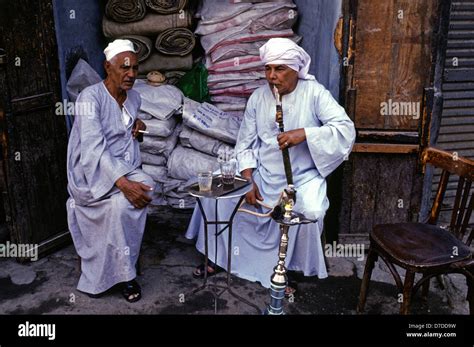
x: 79, y: 34
x: 316, y: 24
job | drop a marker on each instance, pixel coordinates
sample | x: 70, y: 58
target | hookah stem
x: 285, y: 152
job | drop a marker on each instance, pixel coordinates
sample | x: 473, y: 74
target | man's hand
x: 135, y: 192
x: 139, y: 125
x: 254, y: 195
x: 291, y: 138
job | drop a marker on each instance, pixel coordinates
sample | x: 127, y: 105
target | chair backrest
x: 452, y: 164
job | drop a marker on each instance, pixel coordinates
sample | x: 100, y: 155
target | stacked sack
x: 231, y: 34
x: 207, y: 134
x: 159, y: 30
x: 160, y: 111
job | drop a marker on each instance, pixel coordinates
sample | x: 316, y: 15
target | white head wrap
x: 280, y: 51
x: 118, y: 46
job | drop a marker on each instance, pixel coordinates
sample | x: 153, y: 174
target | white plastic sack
x: 158, y: 127
x: 186, y: 163
x: 82, y: 76
x: 211, y: 121
x: 268, y: 15
x: 161, y: 102
x: 152, y: 159
x: 159, y: 145
x: 157, y: 173
x: 193, y: 139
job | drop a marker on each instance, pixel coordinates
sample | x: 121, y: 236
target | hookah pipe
x: 284, y: 215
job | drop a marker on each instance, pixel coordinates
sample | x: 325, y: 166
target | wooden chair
x: 424, y: 247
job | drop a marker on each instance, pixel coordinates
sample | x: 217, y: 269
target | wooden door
x: 34, y: 137
x: 389, y: 60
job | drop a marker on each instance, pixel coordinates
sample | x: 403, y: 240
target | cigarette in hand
x: 143, y: 131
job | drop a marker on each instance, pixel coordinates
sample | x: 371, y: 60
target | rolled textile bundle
x: 173, y: 77
x: 161, y: 62
x: 125, y: 11
x: 175, y: 41
x: 166, y: 6
x: 152, y: 24
x: 142, y: 44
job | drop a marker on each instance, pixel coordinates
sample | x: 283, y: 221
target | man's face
x: 122, y: 70
x: 281, y: 76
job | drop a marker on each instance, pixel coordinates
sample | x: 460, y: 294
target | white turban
x: 118, y: 46
x: 280, y: 51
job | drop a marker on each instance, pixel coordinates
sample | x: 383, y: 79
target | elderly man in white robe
x: 319, y: 135
x: 109, y: 192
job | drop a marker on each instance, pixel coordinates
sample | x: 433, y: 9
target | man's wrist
x: 121, y: 182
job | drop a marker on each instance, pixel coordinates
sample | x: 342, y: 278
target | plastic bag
x: 194, y: 84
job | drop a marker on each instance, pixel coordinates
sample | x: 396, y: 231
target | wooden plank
x: 364, y: 193
x: 411, y: 51
x: 388, y: 136
x: 372, y: 61
x: 384, y: 148
x: 394, y: 182
x: 392, y: 52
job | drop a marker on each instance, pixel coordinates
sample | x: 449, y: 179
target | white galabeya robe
x: 106, y: 228
x: 330, y: 136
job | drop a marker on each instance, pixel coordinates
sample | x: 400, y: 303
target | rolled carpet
x: 176, y: 41
x: 161, y: 62
x: 151, y: 25
x: 143, y: 45
x: 166, y: 6
x: 125, y: 11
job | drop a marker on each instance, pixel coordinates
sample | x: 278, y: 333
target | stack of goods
x: 159, y: 30
x: 207, y: 135
x: 231, y: 35
x: 161, y: 106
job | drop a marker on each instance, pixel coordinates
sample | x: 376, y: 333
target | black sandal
x: 131, y: 291
x: 199, y: 271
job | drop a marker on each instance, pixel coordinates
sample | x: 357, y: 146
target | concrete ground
x: 47, y: 286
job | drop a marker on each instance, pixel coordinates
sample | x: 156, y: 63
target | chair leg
x: 369, y: 266
x: 407, y: 292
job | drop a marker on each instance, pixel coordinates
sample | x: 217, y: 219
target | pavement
x: 48, y: 286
